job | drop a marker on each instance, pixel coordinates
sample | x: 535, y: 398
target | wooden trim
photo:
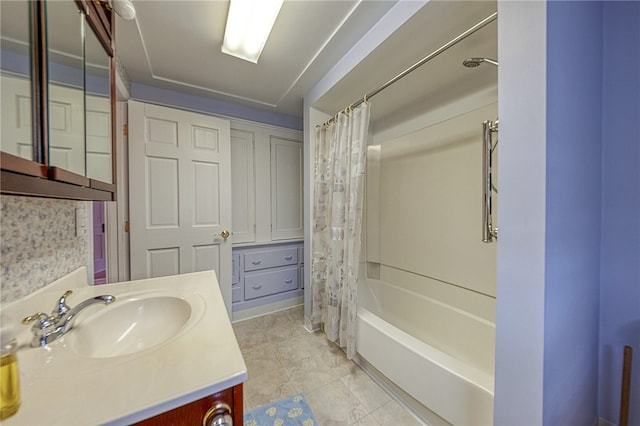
x: 62, y: 175
x: 22, y: 165
x: 19, y: 184
x: 114, y: 145
x: 102, y: 186
x: 97, y: 18
x: 39, y: 81
x: 238, y: 405
x: 625, y: 392
x: 104, y: 14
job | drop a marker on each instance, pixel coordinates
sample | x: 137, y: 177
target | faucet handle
x: 41, y: 321
x: 43, y: 325
x: 61, y: 307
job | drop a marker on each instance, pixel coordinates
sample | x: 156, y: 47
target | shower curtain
x: 339, y: 172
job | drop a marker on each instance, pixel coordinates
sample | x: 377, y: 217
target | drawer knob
x: 288, y: 257
x: 256, y: 286
x: 288, y: 280
x: 256, y: 262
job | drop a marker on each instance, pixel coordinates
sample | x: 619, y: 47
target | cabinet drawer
x: 266, y: 283
x: 270, y: 258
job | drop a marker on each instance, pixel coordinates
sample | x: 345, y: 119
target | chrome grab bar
x: 489, y: 233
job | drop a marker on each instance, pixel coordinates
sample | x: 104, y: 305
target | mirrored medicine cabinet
x: 57, y: 90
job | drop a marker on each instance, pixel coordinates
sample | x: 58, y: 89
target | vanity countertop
x: 62, y: 385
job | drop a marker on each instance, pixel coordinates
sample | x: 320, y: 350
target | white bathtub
x: 444, y: 362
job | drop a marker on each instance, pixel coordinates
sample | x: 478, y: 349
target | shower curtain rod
x: 486, y: 21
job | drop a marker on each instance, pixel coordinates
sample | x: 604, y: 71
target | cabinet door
x: 66, y: 128
x: 98, y: 138
x: 16, y: 116
x: 286, y: 189
x: 243, y: 198
x: 15, y: 79
x: 66, y: 85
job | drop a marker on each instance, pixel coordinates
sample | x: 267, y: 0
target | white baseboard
x: 310, y: 327
x: 267, y: 309
x: 604, y: 422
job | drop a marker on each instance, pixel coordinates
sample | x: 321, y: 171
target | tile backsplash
x: 38, y: 242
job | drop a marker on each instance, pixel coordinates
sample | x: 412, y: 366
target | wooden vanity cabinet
x: 192, y: 414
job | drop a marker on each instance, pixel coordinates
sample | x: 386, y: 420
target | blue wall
x: 573, y: 212
x: 620, y: 261
x: 592, y: 247
x: 17, y: 63
x: 167, y: 97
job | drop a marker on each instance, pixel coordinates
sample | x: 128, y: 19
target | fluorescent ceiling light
x: 248, y: 26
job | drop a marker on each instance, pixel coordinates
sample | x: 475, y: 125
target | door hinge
x: 125, y: 129
x: 126, y: 226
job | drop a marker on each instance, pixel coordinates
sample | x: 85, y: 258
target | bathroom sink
x: 153, y: 323
x: 130, y: 325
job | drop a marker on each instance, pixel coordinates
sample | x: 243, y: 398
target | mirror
x: 65, y: 61
x: 16, y: 135
x: 98, y: 108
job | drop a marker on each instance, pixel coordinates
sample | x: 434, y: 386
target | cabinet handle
x: 256, y: 262
x: 218, y: 415
x: 288, y: 257
x: 288, y: 280
x: 256, y: 286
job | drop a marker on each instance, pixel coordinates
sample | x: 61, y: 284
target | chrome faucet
x: 48, y: 328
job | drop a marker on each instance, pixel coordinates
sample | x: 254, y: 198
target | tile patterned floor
x: 284, y: 359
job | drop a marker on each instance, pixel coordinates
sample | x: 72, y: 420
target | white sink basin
x: 129, y: 326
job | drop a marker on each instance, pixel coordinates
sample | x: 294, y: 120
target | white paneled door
x: 180, y: 193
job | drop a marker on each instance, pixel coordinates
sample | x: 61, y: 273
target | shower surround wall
x: 424, y: 210
x: 430, y: 276
x: 38, y: 243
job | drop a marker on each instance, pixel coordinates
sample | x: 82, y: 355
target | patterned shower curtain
x: 339, y: 172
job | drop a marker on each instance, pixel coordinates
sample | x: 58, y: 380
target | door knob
x: 225, y: 234
x: 218, y: 415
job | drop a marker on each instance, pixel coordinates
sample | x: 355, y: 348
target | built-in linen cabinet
x: 286, y: 189
x: 266, y: 183
x: 57, y: 99
x: 267, y: 274
x: 243, y: 185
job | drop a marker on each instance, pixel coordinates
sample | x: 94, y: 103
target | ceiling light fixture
x: 248, y: 26
x: 124, y: 8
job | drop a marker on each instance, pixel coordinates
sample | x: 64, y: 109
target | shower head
x: 475, y: 62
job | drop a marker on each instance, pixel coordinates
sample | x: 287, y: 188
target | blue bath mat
x: 293, y: 411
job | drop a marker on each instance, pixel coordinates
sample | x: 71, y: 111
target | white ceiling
x: 176, y: 45
x: 438, y: 82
